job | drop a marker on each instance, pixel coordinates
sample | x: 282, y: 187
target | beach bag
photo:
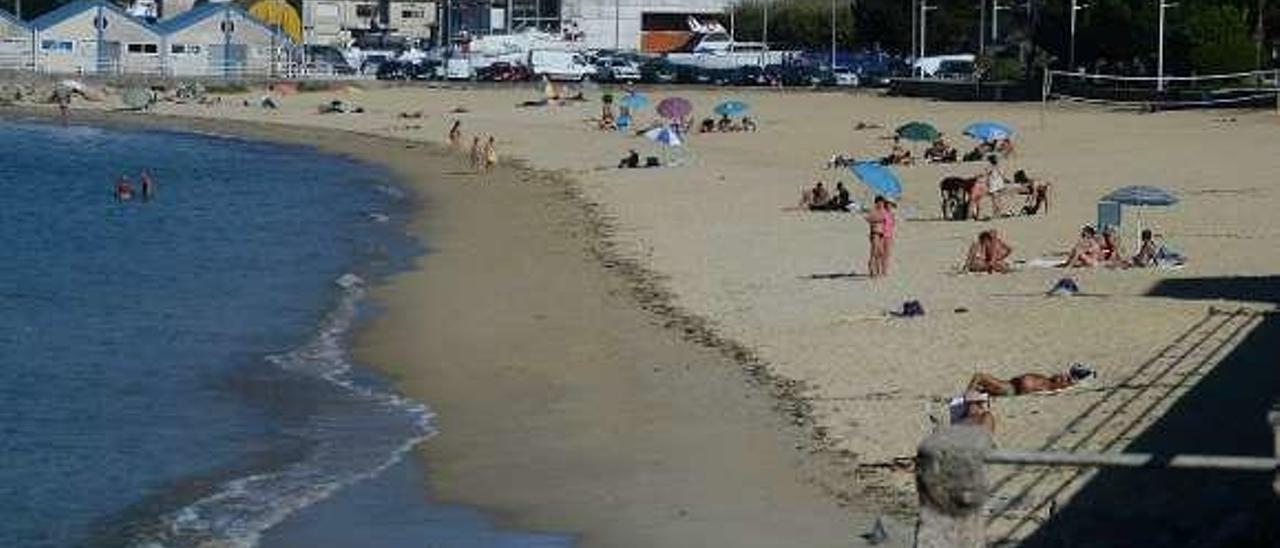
x: 1065, y: 287
x: 911, y: 309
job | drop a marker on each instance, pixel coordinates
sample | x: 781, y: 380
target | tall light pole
x: 833, y: 34
x: 925, y: 8
x: 996, y: 8
x: 617, y: 24
x: 1071, y: 55
x: 982, y: 26
x: 1160, y: 49
x: 765, y: 33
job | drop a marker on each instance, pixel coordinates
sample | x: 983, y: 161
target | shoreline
x: 624, y: 280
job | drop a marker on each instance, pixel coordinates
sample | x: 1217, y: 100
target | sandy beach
x: 716, y: 236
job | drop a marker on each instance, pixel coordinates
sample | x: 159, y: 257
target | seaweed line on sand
x: 837, y: 472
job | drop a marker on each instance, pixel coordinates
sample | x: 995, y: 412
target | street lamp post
x: 1071, y: 55
x: 982, y: 26
x: 925, y: 8
x: 1160, y: 50
x: 617, y: 24
x: 765, y: 33
x: 833, y: 34
x: 996, y: 8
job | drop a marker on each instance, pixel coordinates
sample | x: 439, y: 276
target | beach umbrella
x: 988, y: 131
x: 917, y: 131
x: 880, y: 179
x: 674, y: 108
x: 731, y: 108
x: 1141, y: 195
x: 664, y: 135
x: 633, y: 100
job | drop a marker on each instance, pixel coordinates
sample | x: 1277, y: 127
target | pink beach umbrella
x: 675, y: 108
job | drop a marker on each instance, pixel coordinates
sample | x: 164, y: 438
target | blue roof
x: 6, y: 16
x: 67, y: 11
x: 205, y: 11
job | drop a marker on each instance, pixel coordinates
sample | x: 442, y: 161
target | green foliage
x: 1220, y: 40
x: 803, y: 24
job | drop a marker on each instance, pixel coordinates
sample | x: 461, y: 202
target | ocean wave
x: 366, y: 434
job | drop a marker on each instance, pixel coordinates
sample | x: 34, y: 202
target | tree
x: 1220, y: 39
x: 800, y: 24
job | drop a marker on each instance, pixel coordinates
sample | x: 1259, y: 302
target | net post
x: 1045, y: 86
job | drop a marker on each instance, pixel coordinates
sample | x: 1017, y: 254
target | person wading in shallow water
x: 147, y: 187
x: 124, y: 189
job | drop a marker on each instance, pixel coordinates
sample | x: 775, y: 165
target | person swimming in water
x: 147, y: 187
x: 124, y: 189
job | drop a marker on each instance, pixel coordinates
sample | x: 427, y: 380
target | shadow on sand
x: 1225, y: 413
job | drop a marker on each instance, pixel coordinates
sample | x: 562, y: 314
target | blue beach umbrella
x: 731, y: 108
x: 1141, y: 195
x: 988, y: 131
x: 633, y: 101
x: 880, y: 179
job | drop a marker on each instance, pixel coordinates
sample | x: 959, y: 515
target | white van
x: 560, y: 65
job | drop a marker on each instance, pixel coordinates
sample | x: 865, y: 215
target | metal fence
x: 953, y: 463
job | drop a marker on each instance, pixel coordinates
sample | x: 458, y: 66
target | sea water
x: 174, y: 371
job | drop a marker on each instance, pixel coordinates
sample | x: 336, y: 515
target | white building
x: 339, y: 22
x: 96, y: 36
x: 222, y: 40
x: 647, y: 25
x: 15, y: 43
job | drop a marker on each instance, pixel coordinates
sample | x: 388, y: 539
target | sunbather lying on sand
x: 940, y: 152
x: 989, y: 254
x: 983, y: 383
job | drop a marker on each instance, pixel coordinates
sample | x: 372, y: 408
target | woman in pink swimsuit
x: 877, y: 225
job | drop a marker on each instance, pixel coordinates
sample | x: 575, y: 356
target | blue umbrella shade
x: 878, y: 178
x: 988, y: 131
x: 731, y: 108
x: 1141, y: 195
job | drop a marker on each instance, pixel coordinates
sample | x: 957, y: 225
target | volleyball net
x: 1260, y: 88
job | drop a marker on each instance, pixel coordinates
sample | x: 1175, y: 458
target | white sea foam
x: 369, y: 433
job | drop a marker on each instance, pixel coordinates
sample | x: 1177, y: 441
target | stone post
x: 951, y: 479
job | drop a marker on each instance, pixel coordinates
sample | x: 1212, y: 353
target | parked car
x: 503, y: 71
x: 847, y: 77
x: 327, y: 60
x: 616, y: 69
x: 796, y: 74
x: 955, y: 69
x: 659, y: 71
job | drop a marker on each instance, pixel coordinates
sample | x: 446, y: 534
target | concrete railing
x: 952, y: 470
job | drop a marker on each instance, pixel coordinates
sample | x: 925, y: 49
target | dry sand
x: 716, y: 232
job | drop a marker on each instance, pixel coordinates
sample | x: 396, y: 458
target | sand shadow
x: 836, y: 276
x: 1223, y: 413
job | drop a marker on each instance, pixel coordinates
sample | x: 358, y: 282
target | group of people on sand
x: 818, y: 198
x: 483, y: 156
x: 123, y: 190
x: 989, y: 254
x: 994, y: 186
x: 974, y: 407
x: 727, y: 125
x: 881, y: 226
x: 1104, y: 249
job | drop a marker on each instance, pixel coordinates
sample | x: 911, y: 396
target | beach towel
x: 1041, y: 262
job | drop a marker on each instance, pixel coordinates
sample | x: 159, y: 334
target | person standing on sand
x: 455, y: 135
x: 490, y: 154
x: 475, y: 153
x: 876, y: 236
x: 890, y: 230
